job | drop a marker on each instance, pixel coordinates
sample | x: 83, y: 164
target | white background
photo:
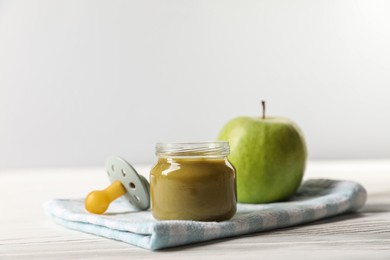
x: 80, y: 80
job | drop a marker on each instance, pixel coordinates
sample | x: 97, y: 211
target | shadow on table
x: 376, y: 207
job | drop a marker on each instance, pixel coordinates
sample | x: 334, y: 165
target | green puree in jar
x: 188, y: 188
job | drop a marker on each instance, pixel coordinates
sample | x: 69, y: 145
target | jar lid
x: 199, y: 149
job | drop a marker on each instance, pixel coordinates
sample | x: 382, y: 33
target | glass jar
x: 193, y: 181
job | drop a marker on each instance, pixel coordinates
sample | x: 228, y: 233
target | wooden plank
x: 26, y: 233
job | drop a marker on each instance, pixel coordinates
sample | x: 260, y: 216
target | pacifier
x: 125, y: 181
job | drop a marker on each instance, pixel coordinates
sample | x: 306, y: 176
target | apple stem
x: 263, y: 105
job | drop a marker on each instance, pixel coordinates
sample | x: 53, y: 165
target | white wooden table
x: 27, y: 233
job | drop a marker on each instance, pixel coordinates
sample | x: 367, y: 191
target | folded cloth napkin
x: 315, y: 199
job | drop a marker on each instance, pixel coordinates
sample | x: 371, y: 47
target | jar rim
x: 193, y: 149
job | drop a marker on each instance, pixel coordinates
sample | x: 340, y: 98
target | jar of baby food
x: 193, y: 181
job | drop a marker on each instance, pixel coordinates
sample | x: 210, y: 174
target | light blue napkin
x: 316, y: 199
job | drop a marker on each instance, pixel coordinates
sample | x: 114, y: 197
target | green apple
x: 269, y: 154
